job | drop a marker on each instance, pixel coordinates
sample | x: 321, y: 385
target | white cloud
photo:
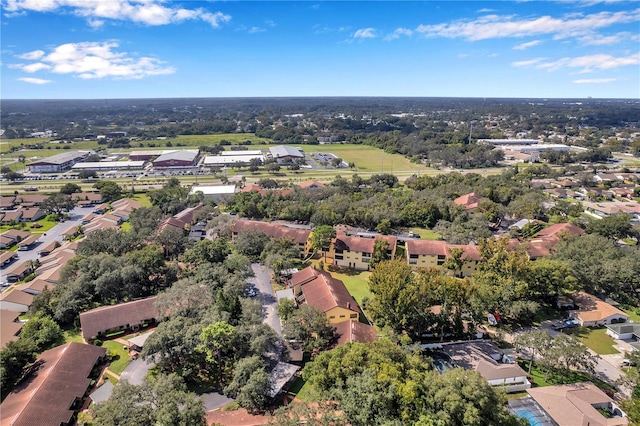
x: 602, y: 40
x: 365, y: 33
x: 527, y: 63
x: 30, y: 56
x: 92, y: 60
x: 254, y: 30
x: 148, y: 12
x: 497, y: 26
x: 587, y: 63
x: 485, y: 10
x: 594, y: 80
x: 523, y: 46
x: 399, y: 32
x: 34, y: 67
x: 34, y: 80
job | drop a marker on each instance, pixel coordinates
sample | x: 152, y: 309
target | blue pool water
x: 531, y: 417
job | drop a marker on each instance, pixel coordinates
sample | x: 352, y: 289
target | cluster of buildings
x: 163, y: 159
x: 523, y: 150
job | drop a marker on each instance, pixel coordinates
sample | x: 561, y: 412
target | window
x: 354, y: 316
x: 413, y: 256
x: 339, y: 251
x: 339, y: 257
x: 342, y: 316
x: 365, y: 254
x: 413, y: 261
x: 441, y: 257
x: 366, y: 260
x: 332, y: 317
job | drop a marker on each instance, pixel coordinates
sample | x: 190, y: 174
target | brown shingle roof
x: 427, y: 247
x: 326, y: 293
x: 594, y: 309
x: 10, y: 326
x: 361, y: 244
x: 59, y: 377
x: 98, y: 320
x: 273, y: 230
x: 16, y: 234
x: 17, y: 296
x: 355, y: 331
x: 302, y: 277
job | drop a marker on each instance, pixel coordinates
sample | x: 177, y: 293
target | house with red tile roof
x: 593, y: 311
x: 469, y: 201
x: 331, y: 297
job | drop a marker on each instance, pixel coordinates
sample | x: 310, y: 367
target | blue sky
x: 154, y: 49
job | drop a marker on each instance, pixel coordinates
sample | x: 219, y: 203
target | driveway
x: 262, y: 282
x: 136, y: 371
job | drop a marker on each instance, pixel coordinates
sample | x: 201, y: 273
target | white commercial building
x: 109, y: 165
x: 231, y: 160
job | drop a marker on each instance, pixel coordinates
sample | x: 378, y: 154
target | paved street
x: 53, y: 234
x: 262, y: 281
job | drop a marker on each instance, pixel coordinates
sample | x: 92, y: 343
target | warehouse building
x: 177, y: 159
x: 57, y: 163
x: 109, y: 165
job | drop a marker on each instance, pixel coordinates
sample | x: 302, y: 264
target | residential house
x: 182, y: 220
x: 7, y: 202
x: 31, y: 200
x: 426, y: 253
x: 300, y: 278
x: 626, y: 331
x: 469, y: 201
x: 35, y: 286
x: 492, y: 363
x: 12, y: 237
x: 331, y: 297
x: 11, y: 326
x: 593, y: 311
x: 299, y: 237
x: 7, y: 257
x: 18, y: 271
x: 48, y: 248
x: 15, y: 301
x: 542, y: 243
x: 470, y: 258
x: 125, y: 204
x: 55, y: 387
x: 11, y: 216
x: 29, y: 242
x: 31, y: 214
x: 355, y: 252
x: 577, y: 404
x: 87, y: 199
x: 98, y: 322
x: 354, y: 331
x: 311, y: 184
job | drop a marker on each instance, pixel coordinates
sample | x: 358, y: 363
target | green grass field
x: 356, y: 282
x: 597, y: 340
x: 121, y: 356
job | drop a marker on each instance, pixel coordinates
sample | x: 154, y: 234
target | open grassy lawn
x: 425, y: 234
x: 357, y: 282
x: 301, y: 390
x: 206, y: 140
x: 72, y: 335
x: 143, y: 199
x: 634, y: 314
x: 597, y: 340
x: 559, y: 378
x: 367, y: 158
x: 121, y: 357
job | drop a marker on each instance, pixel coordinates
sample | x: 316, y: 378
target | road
x: 262, y: 282
x: 53, y: 234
